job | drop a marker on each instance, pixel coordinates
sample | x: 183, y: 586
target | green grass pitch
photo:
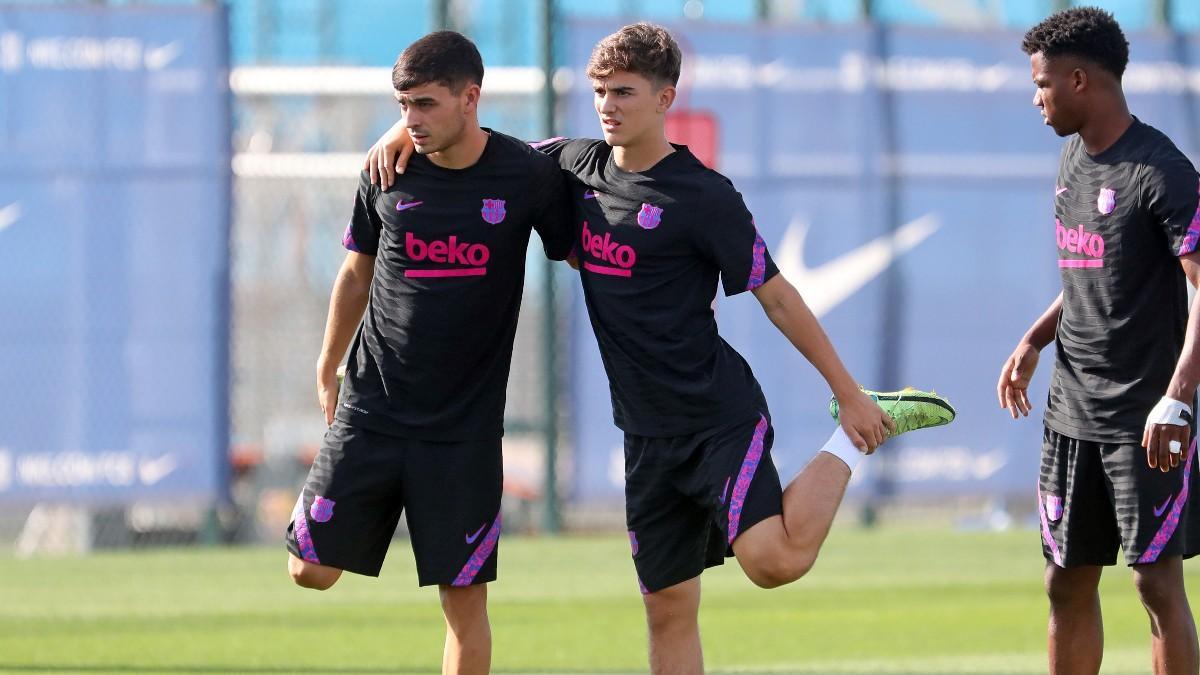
x: 894, y: 600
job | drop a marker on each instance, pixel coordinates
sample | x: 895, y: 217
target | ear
x: 470, y: 98
x: 665, y: 98
x: 1079, y: 80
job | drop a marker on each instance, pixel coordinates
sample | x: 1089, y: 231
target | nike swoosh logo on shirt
x: 472, y: 537
x: 833, y: 282
x: 403, y: 206
x: 1059, y: 191
x: 10, y: 214
x: 1158, y: 510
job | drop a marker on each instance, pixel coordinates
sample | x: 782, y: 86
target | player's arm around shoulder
x: 552, y: 210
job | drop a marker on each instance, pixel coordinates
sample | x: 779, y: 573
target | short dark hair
x: 443, y: 57
x: 1087, y: 32
x: 642, y: 48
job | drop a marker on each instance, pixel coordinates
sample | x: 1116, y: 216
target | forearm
x: 347, y: 303
x: 1042, y: 332
x: 792, y: 316
x: 1187, y: 370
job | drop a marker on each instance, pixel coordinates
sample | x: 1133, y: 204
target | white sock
x: 839, y: 446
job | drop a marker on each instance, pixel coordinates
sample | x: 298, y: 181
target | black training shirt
x: 651, y: 246
x: 431, y: 358
x: 1122, y: 218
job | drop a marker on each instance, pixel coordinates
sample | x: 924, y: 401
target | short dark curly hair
x: 1087, y: 32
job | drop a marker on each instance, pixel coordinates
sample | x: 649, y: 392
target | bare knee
x: 771, y: 557
x: 311, y: 575
x: 1066, y: 587
x: 775, y: 571
x: 465, y: 607
x: 673, y: 609
x: 1159, y: 586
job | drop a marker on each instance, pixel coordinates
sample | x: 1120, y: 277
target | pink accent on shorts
x: 300, y: 530
x: 482, y: 553
x: 745, y: 476
x: 1081, y: 263
x: 1171, y: 522
x: 1046, y: 536
x: 633, y: 544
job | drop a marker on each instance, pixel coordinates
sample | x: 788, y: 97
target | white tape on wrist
x: 1170, y: 411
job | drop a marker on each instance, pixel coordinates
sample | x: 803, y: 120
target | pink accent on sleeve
x: 541, y: 144
x: 1193, y: 233
x: 348, y: 239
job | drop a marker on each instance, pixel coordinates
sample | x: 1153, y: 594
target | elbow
x: 776, y: 310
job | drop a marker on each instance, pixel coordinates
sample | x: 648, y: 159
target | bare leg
x: 1076, y: 633
x: 468, y: 633
x: 312, y: 575
x: 672, y: 616
x: 781, y: 549
x: 1172, y: 628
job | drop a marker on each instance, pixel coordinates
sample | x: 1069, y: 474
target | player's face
x: 631, y: 108
x: 1056, y: 93
x: 435, y: 116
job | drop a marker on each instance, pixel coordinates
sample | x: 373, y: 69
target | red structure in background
x: 698, y: 131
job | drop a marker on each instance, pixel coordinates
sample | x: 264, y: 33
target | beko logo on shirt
x: 451, y: 252
x: 620, y: 257
x: 1079, y: 241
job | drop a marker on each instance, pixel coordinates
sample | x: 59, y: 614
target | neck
x: 1105, y: 127
x: 465, y: 152
x: 642, y: 155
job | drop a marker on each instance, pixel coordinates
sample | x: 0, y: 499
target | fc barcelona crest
x: 649, y: 217
x: 493, y: 211
x: 321, y: 509
x: 1107, y: 201
x: 1054, y: 508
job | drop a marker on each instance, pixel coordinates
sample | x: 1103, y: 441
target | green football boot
x: 909, y: 408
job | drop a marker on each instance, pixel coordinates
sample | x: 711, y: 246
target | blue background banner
x: 114, y: 231
x: 903, y: 181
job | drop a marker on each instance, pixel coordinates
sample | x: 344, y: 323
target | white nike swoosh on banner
x: 152, y: 471
x: 10, y: 214
x: 829, y: 284
x: 157, y: 58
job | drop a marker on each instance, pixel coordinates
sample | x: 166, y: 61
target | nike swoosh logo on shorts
x: 472, y: 537
x: 1158, y: 510
x: 401, y: 206
x: 1059, y: 191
